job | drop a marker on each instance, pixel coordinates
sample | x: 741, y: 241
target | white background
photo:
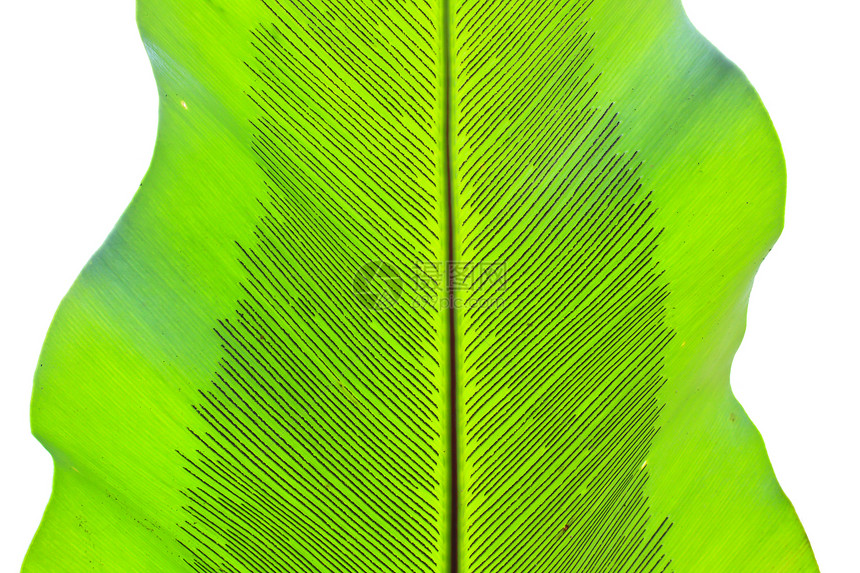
x: 78, y: 125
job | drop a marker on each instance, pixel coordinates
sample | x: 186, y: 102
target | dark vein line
x: 453, y: 438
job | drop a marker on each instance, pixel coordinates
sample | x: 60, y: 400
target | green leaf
x: 423, y: 286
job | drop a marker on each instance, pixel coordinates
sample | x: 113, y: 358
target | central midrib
x: 453, y: 438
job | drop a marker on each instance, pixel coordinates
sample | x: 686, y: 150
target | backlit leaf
x: 429, y: 286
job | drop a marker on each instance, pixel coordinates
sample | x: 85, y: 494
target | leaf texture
x: 443, y: 286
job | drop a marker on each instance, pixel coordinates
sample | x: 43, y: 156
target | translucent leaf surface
x: 423, y: 286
